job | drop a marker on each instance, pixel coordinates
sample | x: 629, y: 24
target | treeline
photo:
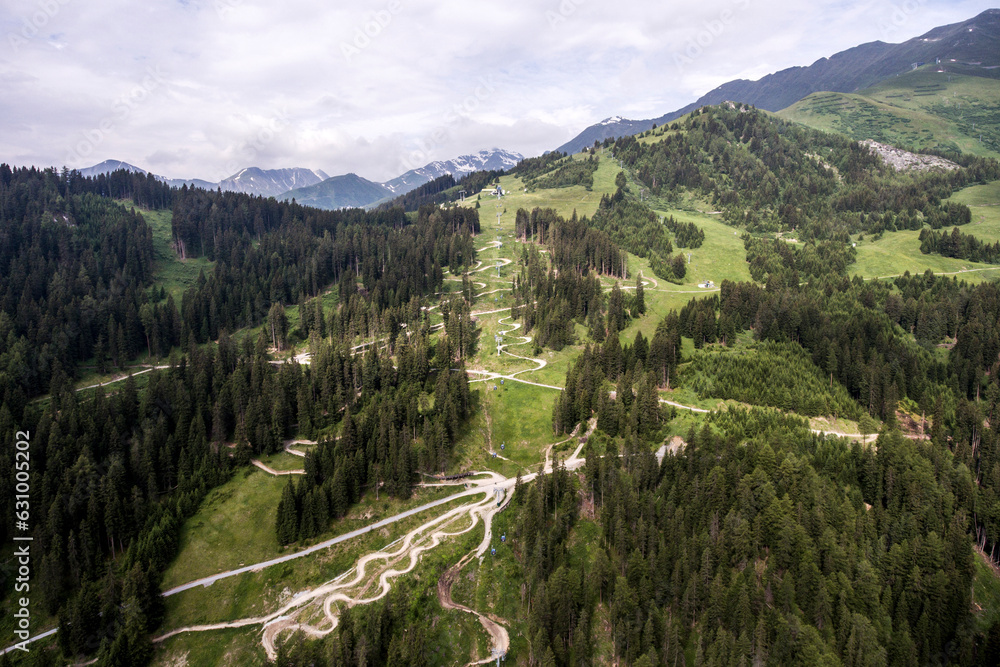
x: 432, y: 192
x: 74, y: 272
x: 443, y: 189
x: 572, y: 172
x: 959, y: 245
x: 214, y: 224
x: 531, y: 168
x: 549, y: 303
x: 141, y: 189
x: 618, y: 223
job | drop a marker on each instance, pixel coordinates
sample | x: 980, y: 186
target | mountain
x: 312, y: 187
x: 485, y: 160
x: 190, y: 182
x: 252, y: 180
x: 109, y: 166
x: 969, y: 47
x: 352, y: 190
x: 272, y: 182
x: 347, y: 191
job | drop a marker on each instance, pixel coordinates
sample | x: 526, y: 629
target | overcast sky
x: 202, y: 88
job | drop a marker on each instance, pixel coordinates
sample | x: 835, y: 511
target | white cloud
x: 371, y: 86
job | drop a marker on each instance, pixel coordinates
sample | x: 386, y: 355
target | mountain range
x: 899, y: 113
x: 353, y: 190
x: 969, y: 47
x: 313, y: 187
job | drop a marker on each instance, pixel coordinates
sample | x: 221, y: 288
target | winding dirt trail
x: 498, y: 633
x: 504, y: 262
x: 298, y: 452
x: 351, y: 592
x: 493, y: 375
x: 277, y: 473
x: 524, y: 341
x: 122, y: 378
x: 684, y: 407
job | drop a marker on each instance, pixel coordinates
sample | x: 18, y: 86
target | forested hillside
x: 74, y: 268
x: 766, y: 174
x: 760, y: 540
x: 116, y: 471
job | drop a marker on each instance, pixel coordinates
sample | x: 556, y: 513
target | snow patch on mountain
x: 271, y: 182
x: 484, y: 160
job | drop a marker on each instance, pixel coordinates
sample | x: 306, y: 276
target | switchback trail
x: 208, y: 581
x: 352, y: 591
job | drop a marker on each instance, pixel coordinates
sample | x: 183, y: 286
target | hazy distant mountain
x: 312, y: 187
x: 347, y: 191
x: 485, y: 160
x: 252, y: 180
x: 352, y: 190
x: 971, y: 44
x: 271, y: 182
x: 109, y: 166
x: 190, y: 182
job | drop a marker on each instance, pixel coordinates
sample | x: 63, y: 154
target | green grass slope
x: 172, y: 273
x: 922, y: 109
x: 900, y: 251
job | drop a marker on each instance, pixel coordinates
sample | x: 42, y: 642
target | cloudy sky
x: 202, y: 88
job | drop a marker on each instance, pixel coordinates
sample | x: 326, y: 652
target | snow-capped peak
x: 493, y: 158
